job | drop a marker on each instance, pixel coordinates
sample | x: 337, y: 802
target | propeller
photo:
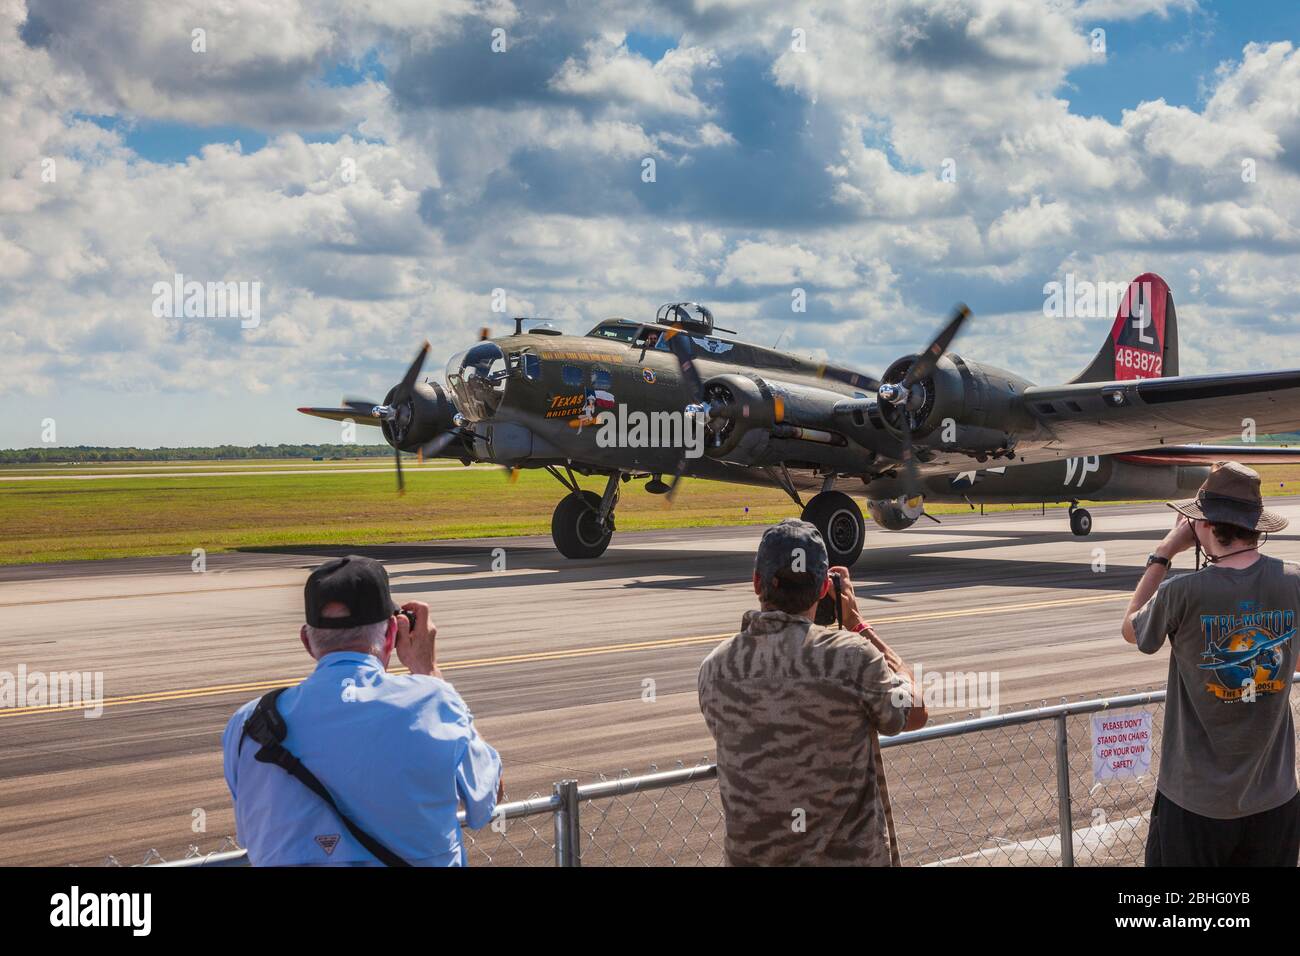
x: 679, y: 344
x: 396, y: 415
x: 397, y: 412
x: 901, y: 394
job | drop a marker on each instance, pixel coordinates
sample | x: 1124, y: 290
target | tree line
x: 94, y: 453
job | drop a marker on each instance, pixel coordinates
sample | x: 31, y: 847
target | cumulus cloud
x: 609, y: 74
x: 888, y: 157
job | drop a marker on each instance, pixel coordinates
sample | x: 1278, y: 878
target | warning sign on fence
x: 1121, y: 746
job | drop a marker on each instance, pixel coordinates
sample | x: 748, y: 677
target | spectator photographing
x: 1226, y: 795
x: 356, y: 766
x: 795, y: 708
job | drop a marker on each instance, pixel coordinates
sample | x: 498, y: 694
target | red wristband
x: 862, y: 626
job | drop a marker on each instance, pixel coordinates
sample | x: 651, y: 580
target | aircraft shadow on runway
x: 907, y: 563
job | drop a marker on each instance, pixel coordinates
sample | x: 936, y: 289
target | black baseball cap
x: 789, y: 545
x: 358, y: 583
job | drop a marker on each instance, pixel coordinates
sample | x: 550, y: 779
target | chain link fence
x: 1015, y: 789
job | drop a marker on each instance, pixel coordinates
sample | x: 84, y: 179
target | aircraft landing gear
x: 1080, y: 520
x: 583, y: 522
x: 839, y: 519
x: 576, y: 527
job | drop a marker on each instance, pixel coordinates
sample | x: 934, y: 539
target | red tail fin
x: 1143, y: 342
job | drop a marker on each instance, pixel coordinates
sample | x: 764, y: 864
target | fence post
x: 568, y: 846
x: 1063, y: 791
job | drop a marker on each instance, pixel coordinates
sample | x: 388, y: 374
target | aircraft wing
x: 342, y: 414
x: 1247, y: 454
x: 1127, y: 416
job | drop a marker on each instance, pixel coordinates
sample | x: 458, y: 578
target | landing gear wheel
x: 839, y: 519
x: 1080, y: 521
x: 576, y: 528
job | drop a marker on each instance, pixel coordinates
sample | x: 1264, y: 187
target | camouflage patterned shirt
x: 792, y: 707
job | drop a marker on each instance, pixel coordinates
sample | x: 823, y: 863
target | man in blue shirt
x: 398, y: 753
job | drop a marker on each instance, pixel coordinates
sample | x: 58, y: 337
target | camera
x: 830, y: 609
x: 410, y: 618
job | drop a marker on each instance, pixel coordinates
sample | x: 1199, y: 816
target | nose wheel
x: 839, y: 519
x: 1080, y: 521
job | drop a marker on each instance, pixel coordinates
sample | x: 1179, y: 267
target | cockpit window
x: 619, y: 331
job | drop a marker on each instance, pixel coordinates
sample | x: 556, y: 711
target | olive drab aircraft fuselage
x: 654, y: 402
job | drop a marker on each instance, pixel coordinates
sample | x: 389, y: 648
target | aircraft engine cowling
x: 896, y: 514
x: 963, y: 406
x: 427, y: 413
x: 739, y: 426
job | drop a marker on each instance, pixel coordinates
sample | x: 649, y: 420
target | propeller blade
x: 849, y: 377
x: 678, y: 473
x: 401, y: 482
x: 679, y: 343
x: 412, y: 373
x: 911, y: 471
x: 927, y: 360
x: 431, y: 448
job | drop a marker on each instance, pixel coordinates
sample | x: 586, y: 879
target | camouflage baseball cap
x: 792, y: 545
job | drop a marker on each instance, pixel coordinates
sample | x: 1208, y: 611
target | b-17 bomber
x: 677, y: 397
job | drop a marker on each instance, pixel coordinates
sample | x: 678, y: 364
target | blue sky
x: 1175, y: 59
x: 378, y: 174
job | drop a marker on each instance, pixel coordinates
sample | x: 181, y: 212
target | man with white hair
x: 356, y: 766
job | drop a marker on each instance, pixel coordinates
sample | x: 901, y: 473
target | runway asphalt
x: 553, y: 656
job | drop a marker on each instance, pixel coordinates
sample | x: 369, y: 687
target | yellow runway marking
x: 216, y: 690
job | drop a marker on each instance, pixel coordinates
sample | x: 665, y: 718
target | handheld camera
x: 830, y: 609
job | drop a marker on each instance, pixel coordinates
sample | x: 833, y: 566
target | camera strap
x: 267, y: 727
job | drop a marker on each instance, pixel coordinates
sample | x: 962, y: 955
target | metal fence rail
x: 1015, y: 789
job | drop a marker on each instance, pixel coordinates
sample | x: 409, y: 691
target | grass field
x: 69, y: 519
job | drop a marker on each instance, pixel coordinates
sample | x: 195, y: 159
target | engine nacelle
x: 428, y: 413
x: 896, y: 514
x: 963, y: 406
x: 743, y: 433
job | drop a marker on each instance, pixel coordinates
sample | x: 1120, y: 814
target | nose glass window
x: 478, y: 379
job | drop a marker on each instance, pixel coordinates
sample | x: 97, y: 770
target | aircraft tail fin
x: 1143, y: 341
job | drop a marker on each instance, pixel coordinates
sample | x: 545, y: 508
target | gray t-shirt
x: 1229, y: 741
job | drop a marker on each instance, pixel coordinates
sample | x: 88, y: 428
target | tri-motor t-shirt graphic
x: 1245, y: 653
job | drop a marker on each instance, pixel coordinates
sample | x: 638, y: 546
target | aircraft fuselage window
x: 600, y: 378
x: 572, y: 376
x: 531, y: 366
